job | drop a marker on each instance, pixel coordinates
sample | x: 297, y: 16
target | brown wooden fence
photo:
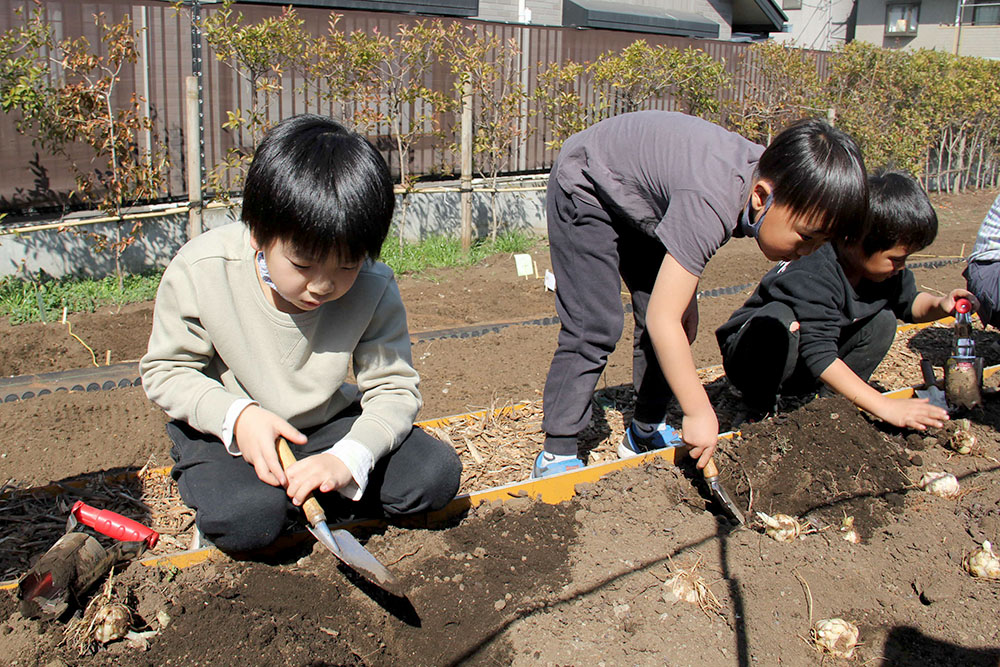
x: 34, y: 181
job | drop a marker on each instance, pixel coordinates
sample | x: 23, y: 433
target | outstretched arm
x: 917, y: 413
x: 672, y: 295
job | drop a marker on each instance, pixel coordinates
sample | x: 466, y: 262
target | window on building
x: 901, y: 19
x: 987, y: 15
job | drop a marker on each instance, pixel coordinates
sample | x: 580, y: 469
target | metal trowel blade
x: 344, y: 546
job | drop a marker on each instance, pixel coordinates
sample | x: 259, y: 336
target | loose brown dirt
x: 583, y: 582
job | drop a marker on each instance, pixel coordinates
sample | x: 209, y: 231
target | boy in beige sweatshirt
x: 255, y: 329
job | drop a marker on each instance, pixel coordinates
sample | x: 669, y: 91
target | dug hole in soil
x: 600, y: 579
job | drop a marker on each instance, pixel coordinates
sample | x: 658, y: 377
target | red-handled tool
x: 111, y: 524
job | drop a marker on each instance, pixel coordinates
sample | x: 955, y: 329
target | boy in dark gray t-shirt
x: 648, y: 198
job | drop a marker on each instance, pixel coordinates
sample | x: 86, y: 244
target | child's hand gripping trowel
x: 340, y: 542
x: 963, y: 372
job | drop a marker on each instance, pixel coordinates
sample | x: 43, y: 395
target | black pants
x: 762, y: 358
x: 591, y: 255
x: 238, y: 512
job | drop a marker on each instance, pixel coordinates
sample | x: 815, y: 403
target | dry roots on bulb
x: 111, y: 622
x: 781, y: 527
x: 848, y: 532
x: 688, y: 587
x: 942, y: 484
x: 962, y: 440
x: 982, y: 562
x: 836, y: 636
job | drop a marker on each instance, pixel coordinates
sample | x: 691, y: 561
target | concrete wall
x: 71, y: 253
x: 935, y: 30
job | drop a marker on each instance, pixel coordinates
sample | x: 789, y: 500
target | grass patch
x: 42, y: 299
x: 443, y: 251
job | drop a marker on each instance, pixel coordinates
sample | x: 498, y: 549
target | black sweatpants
x: 762, y: 358
x: 591, y: 255
x: 238, y: 512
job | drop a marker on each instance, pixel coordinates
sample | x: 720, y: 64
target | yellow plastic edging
x: 550, y: 490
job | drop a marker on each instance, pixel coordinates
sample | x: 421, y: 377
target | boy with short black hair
x: 255, y: 330
x: 648, y: 198
x: 830, y: 318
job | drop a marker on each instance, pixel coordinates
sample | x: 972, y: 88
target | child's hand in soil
x: 915, y: 413
x: 256, y: 432
x: 323, y: 471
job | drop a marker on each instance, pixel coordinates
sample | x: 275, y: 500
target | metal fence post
x: 192, y: 139
x: 466, y: 187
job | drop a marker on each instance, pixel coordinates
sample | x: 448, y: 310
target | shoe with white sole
x: 551, y: 464
x: 634, y: 444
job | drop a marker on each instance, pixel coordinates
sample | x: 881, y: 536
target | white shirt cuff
x: 359, y: 462
x: 229, y: 423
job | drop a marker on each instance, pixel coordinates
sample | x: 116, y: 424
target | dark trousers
x: 591, y: 256
x: 762, y: 358
x: 238, y: 512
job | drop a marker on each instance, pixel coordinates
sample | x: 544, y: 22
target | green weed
x: 443, y: 251
x: 42, y: 299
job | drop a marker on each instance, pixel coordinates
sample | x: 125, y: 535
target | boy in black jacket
x: 831, y: 316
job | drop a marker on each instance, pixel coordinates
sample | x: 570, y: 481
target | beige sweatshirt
x: 216, y: 339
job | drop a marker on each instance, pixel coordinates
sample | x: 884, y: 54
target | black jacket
x: 824, y: 302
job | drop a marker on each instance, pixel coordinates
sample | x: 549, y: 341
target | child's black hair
x: 320, y: 187
x: 899, y: 213
x: 817, y: 171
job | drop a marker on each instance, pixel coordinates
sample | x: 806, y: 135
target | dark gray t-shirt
x: 675, y: 177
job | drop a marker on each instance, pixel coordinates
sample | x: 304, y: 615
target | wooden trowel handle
x: 314, y: 512
x: 710, y: 469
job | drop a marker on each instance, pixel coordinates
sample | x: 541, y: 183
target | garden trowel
x: 711, y: 472
x: 930, y: 390
x: 343, y: 545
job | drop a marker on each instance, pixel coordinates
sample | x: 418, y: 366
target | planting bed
x: 582, y: 582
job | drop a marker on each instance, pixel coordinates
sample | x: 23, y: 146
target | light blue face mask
x: 751, y: 229
x: 266, y: 276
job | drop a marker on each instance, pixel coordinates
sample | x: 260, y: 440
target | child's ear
x: 762, y: 189
x: 253, y: 243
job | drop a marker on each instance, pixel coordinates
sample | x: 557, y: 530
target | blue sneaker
x: 551, y: 464
x: 634, y: 444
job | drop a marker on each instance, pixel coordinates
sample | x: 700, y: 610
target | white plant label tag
x: 550, y: 280
x: 525, y: 267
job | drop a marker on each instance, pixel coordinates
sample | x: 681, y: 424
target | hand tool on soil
x: 343, y: 545
x: 930, y: 390
x: 963, y: 372
x: 711, y: 472
x: 71, y: 566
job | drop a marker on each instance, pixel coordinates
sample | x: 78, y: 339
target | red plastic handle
x: 114, y: 525
x: 962, y: 306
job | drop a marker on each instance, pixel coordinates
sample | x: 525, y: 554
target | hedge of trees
x: 935, y: 114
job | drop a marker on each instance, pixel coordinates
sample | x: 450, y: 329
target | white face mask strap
x: 266, y: 276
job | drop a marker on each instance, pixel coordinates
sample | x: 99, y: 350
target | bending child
x: 648, y: 198
x: 830, y: 318
x: 255, y: 328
